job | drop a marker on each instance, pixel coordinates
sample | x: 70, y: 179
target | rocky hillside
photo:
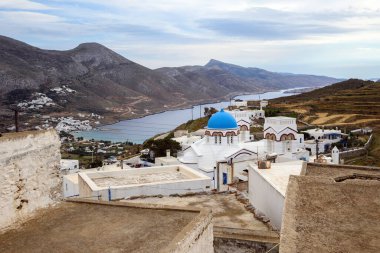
x: 224, y: 77
x: 93, y: 79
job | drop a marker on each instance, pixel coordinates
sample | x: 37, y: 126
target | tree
x: 206, y: 111
x: 159, y: 147
x: 209, y: 111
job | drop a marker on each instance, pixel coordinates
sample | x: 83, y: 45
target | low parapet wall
x: 193, y: 182
x: 29, y: 174
x: 195, y: 237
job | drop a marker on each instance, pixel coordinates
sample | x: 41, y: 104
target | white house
x: 69, y: 164
x: 324, y: 138
x: 239, y: 103
x: 326, y: 135
x: 247, y: 115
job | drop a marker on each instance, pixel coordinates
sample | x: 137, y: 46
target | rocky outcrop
x: 29, y: 174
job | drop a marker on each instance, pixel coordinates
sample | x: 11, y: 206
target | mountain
x: 233, y: 77
x: 93, y: 79
x: 102, y: 80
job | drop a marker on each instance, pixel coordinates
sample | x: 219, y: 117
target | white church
x: 223, y: 154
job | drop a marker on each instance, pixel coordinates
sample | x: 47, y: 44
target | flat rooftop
x: 321, y: 215
x: 279, y: 173
x: 139, y: 179
x: 228, y: 212
x: 90, y: 227
x: 141, y: 176
x: 337, y: 171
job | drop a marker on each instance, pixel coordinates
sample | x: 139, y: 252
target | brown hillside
x: 352, y: 102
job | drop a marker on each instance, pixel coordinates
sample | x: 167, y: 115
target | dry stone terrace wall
x: 29, y: 174
x: 358, y: 151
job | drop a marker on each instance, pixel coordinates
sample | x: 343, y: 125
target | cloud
x: 266, y: 30
x: 23, y: 5
x: 280, y: 35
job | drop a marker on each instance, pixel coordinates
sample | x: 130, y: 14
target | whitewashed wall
x: 196, y: 182
x: 264, y: 197
x: 29, y: 174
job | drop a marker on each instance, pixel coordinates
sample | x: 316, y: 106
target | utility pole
x: 16, y: 120
x: 316, y: 149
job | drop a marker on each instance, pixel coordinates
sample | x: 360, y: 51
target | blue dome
x: 222, y: 120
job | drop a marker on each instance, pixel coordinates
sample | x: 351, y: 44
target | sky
x: 339, y: 38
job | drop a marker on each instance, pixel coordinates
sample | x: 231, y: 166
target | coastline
x: 154, y: 123
x: 185, y: 107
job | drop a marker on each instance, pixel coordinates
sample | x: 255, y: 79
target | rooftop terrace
x: 90, y: 227
x: 228, y: 214
x: 328, y: 210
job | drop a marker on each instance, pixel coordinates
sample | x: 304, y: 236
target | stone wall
x: 196, y: 237
x: 357, y: 151
x: 29, y: 174
x: 227, y: 245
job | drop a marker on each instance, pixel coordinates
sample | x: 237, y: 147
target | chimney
x: 168, y: 153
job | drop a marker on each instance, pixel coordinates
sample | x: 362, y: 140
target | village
x: 245, y: 167
x: 189, y: 126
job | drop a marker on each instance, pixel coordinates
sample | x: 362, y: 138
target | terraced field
x: 352, y: 103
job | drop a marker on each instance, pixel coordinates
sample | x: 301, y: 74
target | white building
x: 263, y: 104
x: 186, y: 140
x: 327, y: 135
x: 324, y: 138
x: 282, y: 138
x: 224, y: 155
x: 166, y: 160
x: 70, y: 185
x: 267, y: 187
x: 165, y: 180
x: 69, y: 165
x: 239, y: 103
x: 247, y: 115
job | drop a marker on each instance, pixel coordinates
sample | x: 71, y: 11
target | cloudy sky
x: 340, y: 38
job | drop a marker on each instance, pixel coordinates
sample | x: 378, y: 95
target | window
x: 220, y: 139
x: 300, y: 140
x: 216, y: 139
x: 232, y: 139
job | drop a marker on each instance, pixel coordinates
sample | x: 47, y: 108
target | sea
x: 139, y: 129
